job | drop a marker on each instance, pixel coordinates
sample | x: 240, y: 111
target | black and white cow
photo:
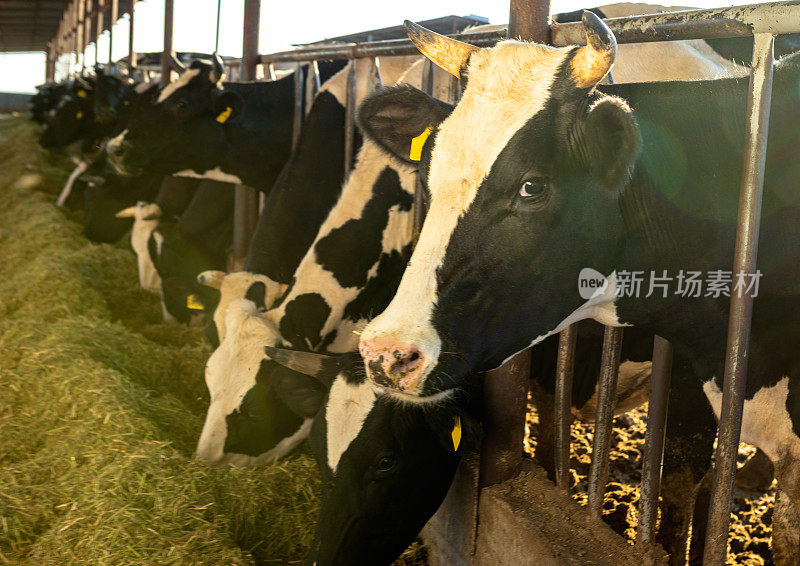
x: 200, y: 126
x: 47, y: 97
x: 537, y: 174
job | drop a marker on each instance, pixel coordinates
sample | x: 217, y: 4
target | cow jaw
x: 511, y: 82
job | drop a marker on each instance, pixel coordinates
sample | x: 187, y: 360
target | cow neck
x: 260, y: 137
x: 692, y: 227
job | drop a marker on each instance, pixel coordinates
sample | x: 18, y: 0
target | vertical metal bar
x: 654, y: 440
x: 313, y: 85
x: 376, y: 80
x: 565, y: 364
x: 87, y: 28
x: 169, y: 19
x: 741, y: 307
x: 506, y: 388
x: 297, y: 121
x: 420, y: 198
x: 246, y: 206
x: 455, y: 90
x: 80, y: 15
x: 132, y: 59
x: 99, y: 23
x: 271, y: 69
x: 606, y: 401
x: 113, y: 17
x: 350, y: 118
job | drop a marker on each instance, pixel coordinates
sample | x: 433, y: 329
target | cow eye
x: 535, y: 188
x: 181, y: 105
x: 385, y: 463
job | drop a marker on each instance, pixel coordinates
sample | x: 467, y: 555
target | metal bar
x: 114, y: 16
x: 313, y: 84
x: 297, y: 121
x: 169, y: 20
x: 271, y: 72
x: 350, y: 118
x: 99, y: 24
x: 131, y: 53
x: 737, y: 21
x: 532, y: 18
x: 216, y: 37
x: 420, y: 197
x: 246, y: 201
x: 565, y: 365
x: 606, y: 400
x: 741, y: 307
x: 80, y: 14
x: 654, y: 440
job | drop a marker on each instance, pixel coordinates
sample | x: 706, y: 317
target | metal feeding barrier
x: 506, y: 388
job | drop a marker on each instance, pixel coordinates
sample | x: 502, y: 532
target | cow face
x: 113, y: 100
x: 386, y: 467
x: 523, y: 178
x: 178, y: 127
x: 72, y: 119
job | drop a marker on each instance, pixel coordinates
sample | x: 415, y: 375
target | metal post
x: 297, y: 119
x: 506, y: 388
x: 741, y: 307
x: 169, y: 19
x: 245, y: 207
x: 563, y: 415
x: 350, y: 118
x: 654, y: 439
x: 87, y: 29
x: 80, y: 15
x: 113, y: 17
x: 606, y: 401
x: 131, y: 53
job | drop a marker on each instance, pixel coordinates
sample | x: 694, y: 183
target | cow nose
x: 393, y: 364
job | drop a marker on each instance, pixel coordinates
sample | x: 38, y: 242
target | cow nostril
x: 413, y: 357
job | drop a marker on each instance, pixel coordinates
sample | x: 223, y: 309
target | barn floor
x: 751, y: 521
x: 101, y: 405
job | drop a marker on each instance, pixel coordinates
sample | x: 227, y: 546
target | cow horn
x: 593, y: 61
x: 219, y: 68
x: 320, y: 366
x: 175, y: 63
x: 446, y: 52
x: 129, y: 212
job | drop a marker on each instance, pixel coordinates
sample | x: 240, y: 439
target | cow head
x: 259, y: 411
x: 113, y: 101
x: 386, y: 465
x: 523, y: 178
x: 179, y: 127
x: 73, y: 118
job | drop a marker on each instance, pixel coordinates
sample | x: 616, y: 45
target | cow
x: 538, y: 173
x: 72, y: 118
x: 199, y: 126
x: 47, y: 97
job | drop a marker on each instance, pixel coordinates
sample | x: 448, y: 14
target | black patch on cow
x: 379, y: 290
x: 576, y: 15
x: 334, y: 252
x: 302, y: 322
x: 262, y: 419
x: 304, y: 192
x: 257, y: 293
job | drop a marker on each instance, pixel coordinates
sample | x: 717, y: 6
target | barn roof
x: 29, y: 25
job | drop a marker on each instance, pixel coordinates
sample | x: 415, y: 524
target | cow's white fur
x: 234, y: 286
x: 180, y: 82
x: 765, y: 420
x: 65, y: 192
x: 114, y: 144
x: 508, y: 85
x: 231, y: 372
x: 149, y: 279
x: 215, y: 174
x: 347, y: 408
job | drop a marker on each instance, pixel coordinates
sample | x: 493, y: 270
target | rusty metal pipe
x: 350, y: 118
x: 653, y: 453
x: 297, y: 119
x: 166, y: 63
x: 565, y: 364
x: 606, y: 401
x: 741, y: 307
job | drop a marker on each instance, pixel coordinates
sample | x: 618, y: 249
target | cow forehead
x: 347, y: 409
x: 180, y: 82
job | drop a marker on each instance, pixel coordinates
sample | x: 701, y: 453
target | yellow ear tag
x: 418, y: 143
x: 82, y: 94
x: 456, y: 434
x: 79, y: 115
x: 193, y: 303
x: 224, y: 115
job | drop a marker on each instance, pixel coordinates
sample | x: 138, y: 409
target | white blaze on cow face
x: 508, y: 85
x: 145, y: 215
x: 215, y: 174
x: 347, y: 409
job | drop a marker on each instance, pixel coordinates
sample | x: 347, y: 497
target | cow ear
x: 303, y: 394
x: 400, y: 119
x: 609, y: 140
x: 457, y: 430
x: 227, y: 106
x: 257, y: 293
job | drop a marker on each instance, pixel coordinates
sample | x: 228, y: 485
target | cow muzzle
x: 394, y: 365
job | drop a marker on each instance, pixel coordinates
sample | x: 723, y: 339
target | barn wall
x: 13, y: 102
